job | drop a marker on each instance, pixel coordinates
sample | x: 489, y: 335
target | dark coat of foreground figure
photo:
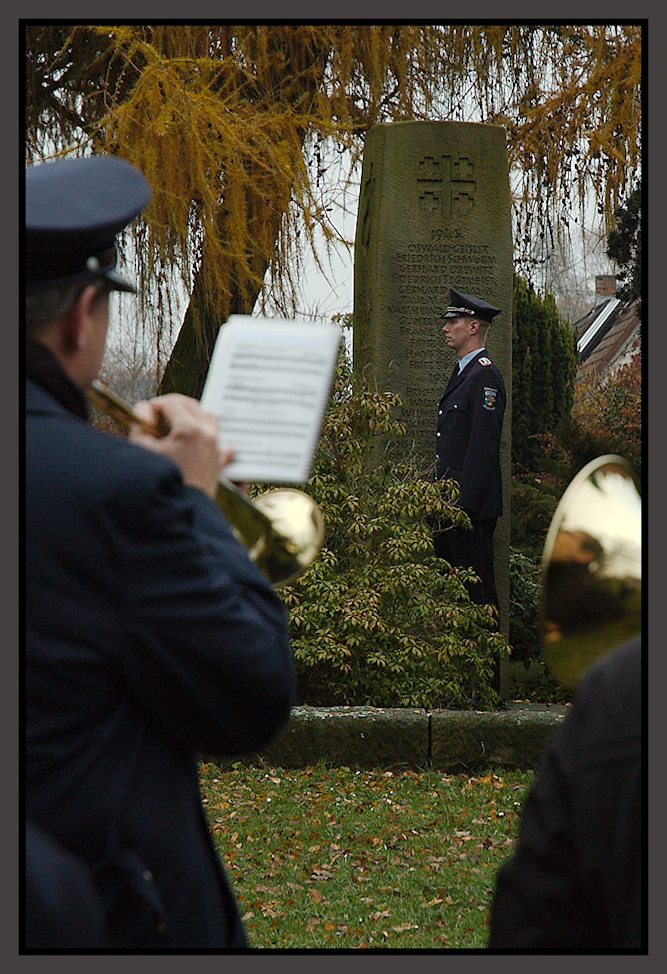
x: 62, y: 906
x: 575, y: 881
x: 150, y: 637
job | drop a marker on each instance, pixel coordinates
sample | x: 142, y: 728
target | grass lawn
x: 331, y: 858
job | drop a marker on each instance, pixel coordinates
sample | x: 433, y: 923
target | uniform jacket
x: 470, y: 422
x: 151, y: 637
x: 575, y: 880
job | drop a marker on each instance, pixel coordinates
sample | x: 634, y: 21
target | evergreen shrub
x: 524, y: 607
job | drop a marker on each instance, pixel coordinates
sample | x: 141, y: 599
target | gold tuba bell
x: 282, y: 529
x: 591, y: 569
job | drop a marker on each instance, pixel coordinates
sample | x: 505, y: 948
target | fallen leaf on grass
x: 268, y: 912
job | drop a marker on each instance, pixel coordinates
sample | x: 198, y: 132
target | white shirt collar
x: 469, y: 357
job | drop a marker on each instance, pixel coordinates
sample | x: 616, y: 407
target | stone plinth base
x: 373, y: 737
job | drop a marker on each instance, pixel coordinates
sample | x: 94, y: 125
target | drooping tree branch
x: 220, y: 118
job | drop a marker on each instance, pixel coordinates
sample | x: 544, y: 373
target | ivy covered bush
x: 378, y: 620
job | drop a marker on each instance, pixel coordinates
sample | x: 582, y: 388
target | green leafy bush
x: 524, y: 606
x: 532, y: 681
x: 534, y: 501
x: 378, y: 620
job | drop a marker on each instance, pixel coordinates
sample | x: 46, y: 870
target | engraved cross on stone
x: 446, y: 184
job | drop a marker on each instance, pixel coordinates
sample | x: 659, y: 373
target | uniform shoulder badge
x: 484, y: 360
x: 490, y: 396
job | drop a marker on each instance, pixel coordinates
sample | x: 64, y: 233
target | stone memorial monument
x: 434, y: 212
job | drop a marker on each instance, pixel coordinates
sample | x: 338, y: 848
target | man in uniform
x: 150, y: 635
x: 470, y: 422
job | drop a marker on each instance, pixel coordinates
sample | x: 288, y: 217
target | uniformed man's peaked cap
x: 74, y: 209
x: 465, y: 305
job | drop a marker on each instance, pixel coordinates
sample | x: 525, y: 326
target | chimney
x: 605, y: 288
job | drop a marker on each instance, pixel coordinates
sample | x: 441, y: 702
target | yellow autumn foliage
x: 226, y: 120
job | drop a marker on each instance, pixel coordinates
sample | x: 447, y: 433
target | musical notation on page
x: 269, y: 383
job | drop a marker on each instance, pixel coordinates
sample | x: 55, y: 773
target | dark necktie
x: 453, y: 377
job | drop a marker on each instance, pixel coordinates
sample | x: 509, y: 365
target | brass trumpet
x: 282, y: 529
x: 591, y: 569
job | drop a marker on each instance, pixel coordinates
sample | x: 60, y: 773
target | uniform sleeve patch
x: 484, y: 360
x: 490, y: 397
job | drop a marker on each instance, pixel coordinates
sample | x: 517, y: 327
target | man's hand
x: 190, y: 438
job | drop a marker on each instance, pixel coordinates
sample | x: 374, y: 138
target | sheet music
x: 269, y: 383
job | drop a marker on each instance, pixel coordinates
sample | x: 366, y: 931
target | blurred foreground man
x: 575, y: 880
x: 150, y: 635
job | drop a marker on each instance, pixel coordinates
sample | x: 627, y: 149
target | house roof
x: 608, y: 335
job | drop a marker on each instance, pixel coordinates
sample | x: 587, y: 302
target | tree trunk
x: 191, y: 356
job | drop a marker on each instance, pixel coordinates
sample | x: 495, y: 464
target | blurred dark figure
x: 151, y: 637
x: 575, y: 880
x: 62, y: 908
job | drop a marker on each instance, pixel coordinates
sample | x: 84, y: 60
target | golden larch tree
x: 224, y: 119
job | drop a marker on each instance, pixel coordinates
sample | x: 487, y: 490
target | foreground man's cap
x: 74, y: 209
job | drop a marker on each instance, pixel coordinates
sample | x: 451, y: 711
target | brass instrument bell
x: 591, y: 569
x: 283, y: 528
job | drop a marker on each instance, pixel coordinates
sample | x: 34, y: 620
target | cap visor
x: 119, y: 283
